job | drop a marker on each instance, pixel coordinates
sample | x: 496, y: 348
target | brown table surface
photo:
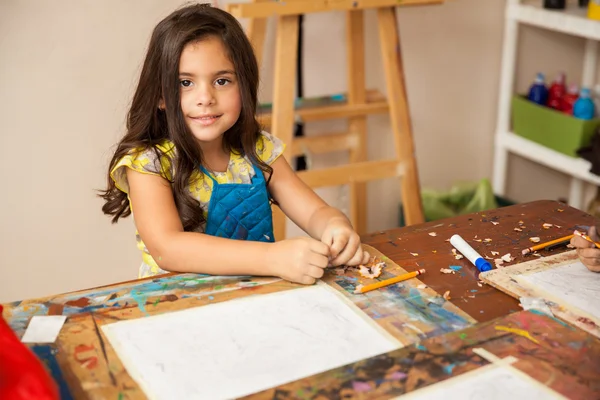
x: 498, y: 225
x: 84, y: 363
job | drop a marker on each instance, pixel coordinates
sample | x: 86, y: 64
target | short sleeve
x: 153, y: 161
x: 269, y: 147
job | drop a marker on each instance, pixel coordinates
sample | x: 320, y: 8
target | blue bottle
x: 584, y: 107
x: 538, y: 92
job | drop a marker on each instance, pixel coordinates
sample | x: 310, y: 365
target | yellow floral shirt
x: 239, y: 170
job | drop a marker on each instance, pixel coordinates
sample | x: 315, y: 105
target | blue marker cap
x: 482, y: 265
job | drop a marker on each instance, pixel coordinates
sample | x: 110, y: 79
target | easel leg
x: 357, y: 125
x: 399, y: 113
x: 283, y: 97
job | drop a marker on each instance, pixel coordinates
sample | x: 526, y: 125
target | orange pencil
x: 541, y: 246
x: 387, y: 282
x: 586, y: 237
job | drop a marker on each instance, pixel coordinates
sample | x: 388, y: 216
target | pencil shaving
x: 446, y: 295
x: 518, y: 230
x: 447, y: 271
x: 507, y: 257
x: 456, y: 255
x: 547, y: 226
x: 495, y: 223
x: 534, y: 239
x: 487, y: 240
x: 370, y: 272
x: 432, y: 234
x: 414, y: 254
x: 495, y: 253
x: 358, y: 289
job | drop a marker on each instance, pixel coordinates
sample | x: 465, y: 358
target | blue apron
x: 239, y: 210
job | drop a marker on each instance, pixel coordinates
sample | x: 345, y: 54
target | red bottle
x: 557, y: 92
x: 22, y: 375
x: 569, y: 99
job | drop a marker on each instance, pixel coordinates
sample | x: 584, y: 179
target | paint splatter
x: 360, y: 386
x: 516, y: 331
x: 455, y: 267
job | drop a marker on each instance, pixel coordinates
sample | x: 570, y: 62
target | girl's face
x: 210, y: 95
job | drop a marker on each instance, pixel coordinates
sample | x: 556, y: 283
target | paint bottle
x: 556, y: 92
x: 594, y: 9
x: 555, y: 4
x: 569, y: 99
x: 584, y: 107
x: 538, y: 92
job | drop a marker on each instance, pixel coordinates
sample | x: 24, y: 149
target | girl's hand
x: 300, y: 260
x: 344, y: 243
x: 588, y: 254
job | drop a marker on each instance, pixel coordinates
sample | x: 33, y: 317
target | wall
x: 68, y: 71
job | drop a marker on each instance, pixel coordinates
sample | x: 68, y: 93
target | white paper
x: 488, y: 383
x: 570, y: 284
x: 242, y: 346
x: 43, y: 328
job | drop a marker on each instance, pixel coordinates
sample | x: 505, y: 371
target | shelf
x: 572, y: 21
x: 575, y: 167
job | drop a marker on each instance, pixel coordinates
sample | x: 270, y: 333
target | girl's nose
x: 205, y: 96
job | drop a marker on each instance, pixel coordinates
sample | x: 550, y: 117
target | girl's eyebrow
x: 222, y: 72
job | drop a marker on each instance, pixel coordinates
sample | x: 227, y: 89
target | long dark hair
x: 147, y: 125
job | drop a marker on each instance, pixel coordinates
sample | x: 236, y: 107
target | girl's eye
x: 186, y: 83
x: 222, y: 82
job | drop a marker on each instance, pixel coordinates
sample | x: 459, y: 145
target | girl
x: 197, y: 172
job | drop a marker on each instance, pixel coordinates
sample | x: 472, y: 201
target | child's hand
x: 300, y: 260
x: 344, y: 243
x: 589, y: 255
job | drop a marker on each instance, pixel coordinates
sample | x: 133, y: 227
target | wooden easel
x: 359, y: 102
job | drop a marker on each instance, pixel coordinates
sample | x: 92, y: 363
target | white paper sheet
x: 43, y: 328
x: 487, y: 383
x: 242, y: 346
x: 570, y: 284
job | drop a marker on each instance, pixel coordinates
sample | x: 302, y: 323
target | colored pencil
x: 541, y: 246
x: 388, y: 282
x: 586, y: 237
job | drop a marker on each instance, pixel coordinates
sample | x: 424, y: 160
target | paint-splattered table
x: 86, y: 366
x: 493, y: 234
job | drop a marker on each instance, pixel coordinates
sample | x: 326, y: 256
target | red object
x: 557, y: 92
x: 569, y: 99
x: 22, y: 375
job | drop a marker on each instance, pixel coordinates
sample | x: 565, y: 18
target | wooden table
x: 86, y: 366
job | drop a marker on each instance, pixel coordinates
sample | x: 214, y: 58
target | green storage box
x: 551, y: 128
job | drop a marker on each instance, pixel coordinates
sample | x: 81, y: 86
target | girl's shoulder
x: 154, y: 160
x: 269, y: 147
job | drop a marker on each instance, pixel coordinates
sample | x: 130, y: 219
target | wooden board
x: 507, y: 280
x: 563, y: 358
x: 297, y: 7
x: 90, y: 367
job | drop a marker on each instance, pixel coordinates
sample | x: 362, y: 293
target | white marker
x: 467, y: 251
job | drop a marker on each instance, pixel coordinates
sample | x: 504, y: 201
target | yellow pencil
x: 586, y: 237
x: 387, y: 282
x: 541, y: 246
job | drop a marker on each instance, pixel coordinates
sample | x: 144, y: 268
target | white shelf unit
x: 572, y: 21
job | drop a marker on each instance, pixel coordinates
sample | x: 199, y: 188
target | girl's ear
x: 161, y: 104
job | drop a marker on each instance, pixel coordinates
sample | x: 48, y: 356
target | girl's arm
x: 321, y: 221
x: 157, y: 220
